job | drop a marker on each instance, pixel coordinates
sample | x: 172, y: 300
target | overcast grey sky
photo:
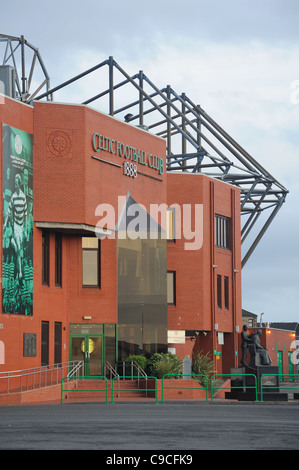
x: 239, y: 59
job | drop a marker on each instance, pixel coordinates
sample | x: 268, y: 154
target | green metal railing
x: 131, y: 377
x: 210, y: 383
x: 233, y: 387
x: 97, y: 377
x: 36, y: 377
x: 201, y: 387
x: 275, y: 386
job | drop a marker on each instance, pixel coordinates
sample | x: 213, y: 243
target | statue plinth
x: 243, y: 378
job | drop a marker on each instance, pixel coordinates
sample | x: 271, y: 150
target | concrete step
x: 95, y: 389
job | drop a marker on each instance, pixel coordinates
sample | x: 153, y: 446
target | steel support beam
x: 203, y: 143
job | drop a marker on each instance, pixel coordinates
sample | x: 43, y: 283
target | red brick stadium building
x: 106, y: 253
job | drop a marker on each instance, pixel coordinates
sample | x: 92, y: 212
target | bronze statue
x: 244, y: 344
x: 264, y: 356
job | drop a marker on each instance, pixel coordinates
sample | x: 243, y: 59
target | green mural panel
x: 17, y: 240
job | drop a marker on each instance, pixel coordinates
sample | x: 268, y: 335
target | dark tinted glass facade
x: 142, y: 295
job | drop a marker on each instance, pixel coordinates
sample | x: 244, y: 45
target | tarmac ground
x: 173, y: 427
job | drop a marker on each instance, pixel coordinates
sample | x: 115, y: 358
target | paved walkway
x: 148, y: 426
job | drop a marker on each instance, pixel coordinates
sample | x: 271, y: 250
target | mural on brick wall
x: 17, y: 240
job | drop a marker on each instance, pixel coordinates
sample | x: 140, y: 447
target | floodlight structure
x: 195, y: 142
x: 30, y: 74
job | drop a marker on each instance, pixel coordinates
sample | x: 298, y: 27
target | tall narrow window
x: 219, y: 291
x: 91, y: 262
x: 222, y: 232
x: 45, y: 258
x: 57, y: 342
x: 170, y: 225
x: 58, y: 260
x: 45, y: 344
x: 226, y: 292
x: 171, y: 287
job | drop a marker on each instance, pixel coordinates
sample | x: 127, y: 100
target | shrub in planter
x: 138, y: 358
x: 203, y: 364
x: 141, y: 360
x: 160, y: 364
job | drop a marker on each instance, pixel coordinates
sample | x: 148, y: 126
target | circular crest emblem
x: 18, y: 144
x: 59, y: 143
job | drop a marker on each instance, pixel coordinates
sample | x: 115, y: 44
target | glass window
x: 45, y: 343
x: 219, y: 292
x: 110, y: 344
x: 57, y: 342
x: 222, y: 231
x: 45, y: 258
x: 90, y: 262
x: 226, y: 292
x: 58, y: 260
x: 86, y: 329
x: 171, y: 287
x: 170, y: 224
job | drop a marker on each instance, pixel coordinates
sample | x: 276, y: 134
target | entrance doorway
x: 88, y: 349
x: 94, y: 344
